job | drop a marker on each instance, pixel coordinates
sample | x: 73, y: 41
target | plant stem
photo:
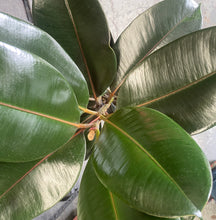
x: 88, y: 111
x: 88, y: 119
x: 104, y: 108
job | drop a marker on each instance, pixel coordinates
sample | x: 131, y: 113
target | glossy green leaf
x: 27, y: 37
x: 156, y: 27
x: 96, y: 202
x: 81, y: 28
x: 178, y: 80
x: 37, y: 106
x: 150, y: 162
x: 27, y: 189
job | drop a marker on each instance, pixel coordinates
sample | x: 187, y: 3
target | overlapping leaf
x: 27, y: 37
x: 27, y: 189
x: 38, y: 108
x: 178, y: 80
x: 94, y: 196
x: 159, y: 25
x: 150, y: 162
x: 80, y: 27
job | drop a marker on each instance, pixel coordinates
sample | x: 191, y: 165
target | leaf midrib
x: 177, y: 90
x: 151, y: 157
x: 80, y: 46
x: 28, y: 172
x: 113, y: 205
x: 38, y: 114
x: 129, y: 71
x: 35, y: 166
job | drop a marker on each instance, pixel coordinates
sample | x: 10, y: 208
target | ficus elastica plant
x: 69, y: 93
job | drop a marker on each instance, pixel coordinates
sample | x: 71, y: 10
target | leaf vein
x: 80, y: 46
x: 40, y: 114
x: 177, y: 90
x: 146, y: 55
x: 113, y: 205
x: 151, y: 157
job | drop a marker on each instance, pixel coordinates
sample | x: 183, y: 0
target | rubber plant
x: 136, y: 101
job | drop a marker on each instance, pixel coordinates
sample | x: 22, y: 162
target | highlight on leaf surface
x: 155, y: 166
x: 154, y: 28
x: 178, y: 80
x: 38, y: 107
x: 25, y: 36
x: 94, y: 196
x: 143, y: 165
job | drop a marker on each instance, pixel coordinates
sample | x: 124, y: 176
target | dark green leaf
x: 80, y: 27
x: 96, y: 202
x: 37, y: 106
x: 178, y: 80
x: 27, y: 37
x: 27, y: 189
x: 150, y: 162
x: 161, y: 24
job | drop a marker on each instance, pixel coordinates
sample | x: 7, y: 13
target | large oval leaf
x: 81, y: 28
x: 94, y: 196
x: 178, y: 80
x: 38, y: 107
x: 150, y: 162
x: 27, y: 37
x: 27, y: 189
x: 161, y: 24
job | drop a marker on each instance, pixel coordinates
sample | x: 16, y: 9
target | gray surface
x: 121, y: 12
x: 13, y: 7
